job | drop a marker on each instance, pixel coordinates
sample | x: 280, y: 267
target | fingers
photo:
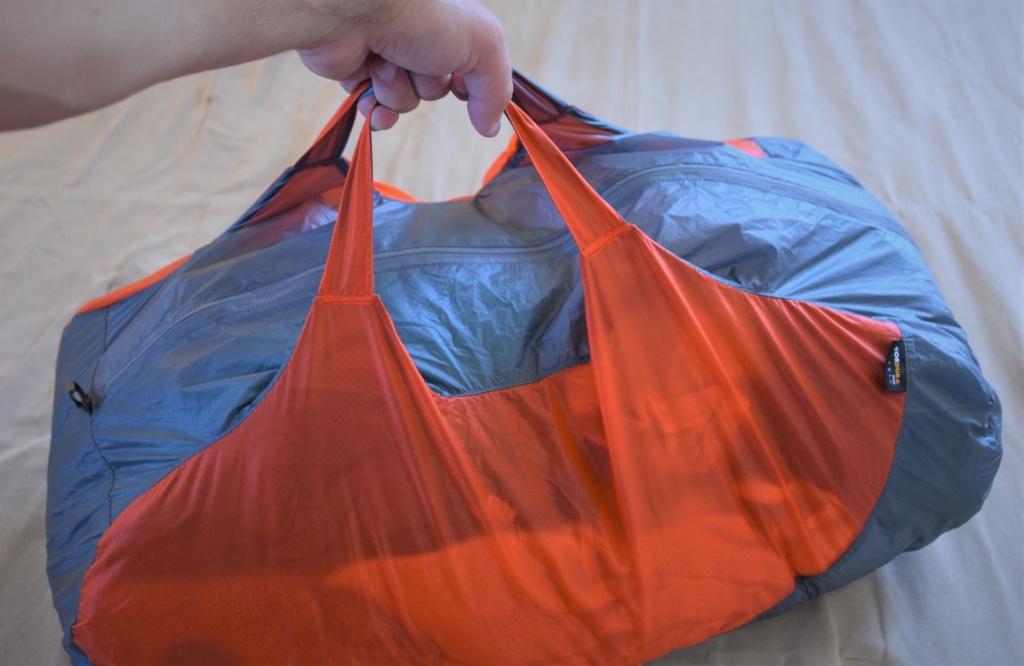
x: 401, y: 90
x: 383, y: 118
x: 458, y: 87
x: 397, y: 91
x: 393, y: 87
x: 430, y: 87
x: 421, y: 51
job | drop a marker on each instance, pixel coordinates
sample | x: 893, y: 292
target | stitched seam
x: 113, y: 378
x: 597, y: 245
x: 344, y: 298
x: 92, y: 436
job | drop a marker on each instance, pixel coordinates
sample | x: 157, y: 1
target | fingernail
x: 495, y: 128
x: 387, y: 72
x: 365, y: 105
x: 375, y: 121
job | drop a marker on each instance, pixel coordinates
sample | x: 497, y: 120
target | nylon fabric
x: 717, y: 445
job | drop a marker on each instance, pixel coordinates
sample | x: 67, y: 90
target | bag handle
x: 349, y: 269
x: 333, y: 138
x: 569, y: 127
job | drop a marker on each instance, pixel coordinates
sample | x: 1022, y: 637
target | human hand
x: 416, y: 50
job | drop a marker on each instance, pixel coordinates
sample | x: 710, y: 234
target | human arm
x: 63, y: 58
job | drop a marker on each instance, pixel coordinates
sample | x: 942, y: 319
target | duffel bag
x: 636, y: 391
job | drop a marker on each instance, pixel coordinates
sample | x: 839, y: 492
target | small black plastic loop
x: 81, y: 399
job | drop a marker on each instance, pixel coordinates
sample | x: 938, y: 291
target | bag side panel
x: 855, y: 260
x: 78, y: 478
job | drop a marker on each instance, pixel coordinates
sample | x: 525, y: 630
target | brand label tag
x: 896, y: 367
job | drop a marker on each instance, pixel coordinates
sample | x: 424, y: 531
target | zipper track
x: 381, y: 259
x: 830, y: 199
x: 386, y: 257
x: 103, y: 389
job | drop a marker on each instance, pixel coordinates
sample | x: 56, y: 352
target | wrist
x: 332, y: 18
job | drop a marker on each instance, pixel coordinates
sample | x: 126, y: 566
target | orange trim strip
x: 391, y: 192
x: 502, y: 159
x: 127, y: 290
x: 749, y: 146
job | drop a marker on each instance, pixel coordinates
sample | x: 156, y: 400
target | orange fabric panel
x: 718, y: 444
x: 386, y: 527
x: 781, y: 402
x: 392, y: 518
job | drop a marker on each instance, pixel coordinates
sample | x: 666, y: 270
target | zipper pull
x: 81, y: 399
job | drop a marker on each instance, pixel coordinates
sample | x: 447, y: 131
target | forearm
x: 65, y: 57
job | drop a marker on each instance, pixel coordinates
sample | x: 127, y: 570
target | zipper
x: 386, y: 258
x: 104, y: 385
x: 822, y: 190
x: 822, y: 193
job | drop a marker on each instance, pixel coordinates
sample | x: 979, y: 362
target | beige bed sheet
x: 922, y: 101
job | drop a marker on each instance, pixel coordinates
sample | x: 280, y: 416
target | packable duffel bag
x: 635, y: 392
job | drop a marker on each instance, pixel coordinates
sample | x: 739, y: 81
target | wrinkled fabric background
x: 922, y: 101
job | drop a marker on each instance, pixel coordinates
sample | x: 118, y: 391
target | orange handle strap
x: 588, y: 216
x: 349, y: 270
x: 333, y: 138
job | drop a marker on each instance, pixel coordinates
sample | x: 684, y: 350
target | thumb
x: 488, y: 95
x: 486, y: 83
